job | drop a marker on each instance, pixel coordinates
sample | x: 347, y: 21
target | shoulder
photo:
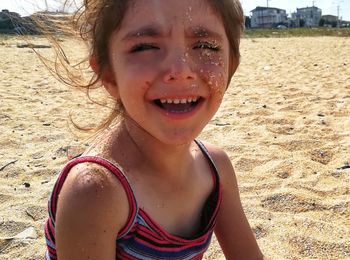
x: 222, y: 162
x: 92, y: 208
x: 92, y: 191
x: 94, y: 184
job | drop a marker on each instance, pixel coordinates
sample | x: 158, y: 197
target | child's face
x: 170, y: 64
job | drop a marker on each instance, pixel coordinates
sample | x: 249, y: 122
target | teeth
x: 178, y: 101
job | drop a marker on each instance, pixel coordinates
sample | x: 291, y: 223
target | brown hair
x: 97, y: 19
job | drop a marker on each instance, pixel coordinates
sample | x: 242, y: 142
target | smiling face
x: 169, y: 62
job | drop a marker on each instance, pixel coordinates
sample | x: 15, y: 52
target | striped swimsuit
x: 141, y: 237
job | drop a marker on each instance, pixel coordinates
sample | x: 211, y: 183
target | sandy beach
x: 285, y: 123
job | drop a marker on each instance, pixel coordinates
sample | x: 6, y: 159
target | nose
x: 178, y: 66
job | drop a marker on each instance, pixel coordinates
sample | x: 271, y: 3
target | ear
x: 107, y: 77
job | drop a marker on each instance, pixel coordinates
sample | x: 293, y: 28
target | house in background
x: 268, y: 17
x: 307, y: 17
x: 329, y: 21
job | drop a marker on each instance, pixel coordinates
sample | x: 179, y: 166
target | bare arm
x: 232, y: 230
x: 87, y: 218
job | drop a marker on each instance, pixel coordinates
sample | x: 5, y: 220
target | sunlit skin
x: 169, y: 50
x: 169, y: 69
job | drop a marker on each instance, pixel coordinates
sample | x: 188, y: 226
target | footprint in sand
x: 323, y: 156
x: 4, y: 198
x: 11, y: 228
x: 317, y: 249
x: 247, y: 164
x: 36, y: 212
x: 298, y: 145
x: 290, y: 203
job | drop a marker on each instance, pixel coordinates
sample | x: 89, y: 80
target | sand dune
x: 285, y: 123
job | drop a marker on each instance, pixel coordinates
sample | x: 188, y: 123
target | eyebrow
x: 146, y: 31
x: 202, y: 32
x: 154, y: 31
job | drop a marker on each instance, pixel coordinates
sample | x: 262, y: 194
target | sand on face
x: 285, y: 123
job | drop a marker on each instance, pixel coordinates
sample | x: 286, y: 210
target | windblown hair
x: 95, y: 21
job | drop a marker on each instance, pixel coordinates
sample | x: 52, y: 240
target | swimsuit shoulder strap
x: 207, y: 155
x: 214, y: 201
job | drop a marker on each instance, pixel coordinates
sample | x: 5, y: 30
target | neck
x: 149, y: 153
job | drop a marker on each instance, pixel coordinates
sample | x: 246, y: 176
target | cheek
x: 131, y: 74
x: 214, y: 71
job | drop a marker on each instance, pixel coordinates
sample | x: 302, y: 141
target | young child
x: 147, y: 189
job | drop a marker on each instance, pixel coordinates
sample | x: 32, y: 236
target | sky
x: 25, y: 7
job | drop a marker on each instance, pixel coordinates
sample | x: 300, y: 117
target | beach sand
x: 285, y: 123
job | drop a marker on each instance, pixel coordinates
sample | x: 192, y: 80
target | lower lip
x: 181, y: 115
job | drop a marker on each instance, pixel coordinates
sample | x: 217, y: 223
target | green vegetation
x: 296, y: 32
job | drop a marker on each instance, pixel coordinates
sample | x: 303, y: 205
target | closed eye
x: 207, y: 46
x: 143, y: 47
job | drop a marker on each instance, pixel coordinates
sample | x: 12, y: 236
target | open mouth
x: 178, y: 105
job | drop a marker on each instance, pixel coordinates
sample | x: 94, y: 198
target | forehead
x: 171, y: 13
